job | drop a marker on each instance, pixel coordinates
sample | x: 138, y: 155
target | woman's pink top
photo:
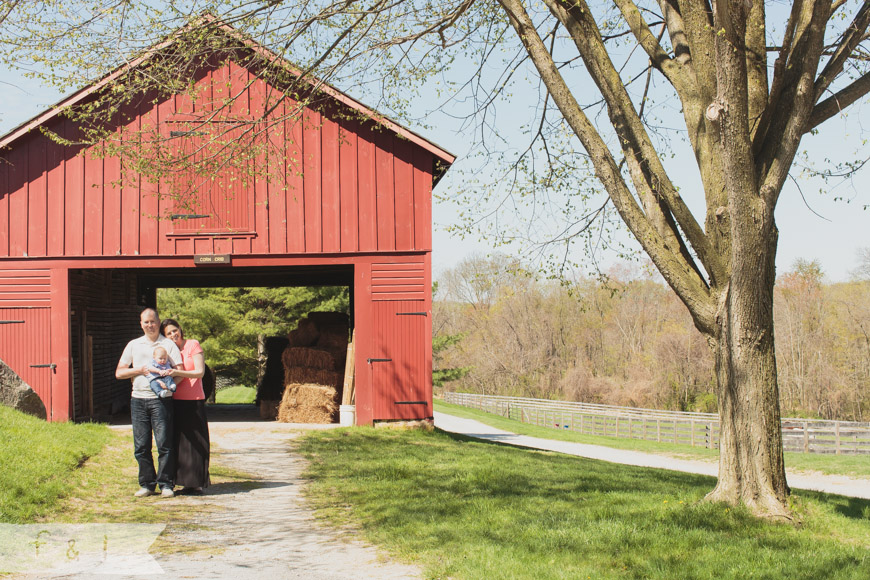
x: 189, y: 389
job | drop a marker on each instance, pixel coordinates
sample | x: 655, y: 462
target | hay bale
x: 298, y: 356
x: 333, y: 340
x: 306, y: 334
x: 308, y: 403
x: 327, y: 319
x: 333, y: 328
x: 269, y: 410
x: 296, y: 375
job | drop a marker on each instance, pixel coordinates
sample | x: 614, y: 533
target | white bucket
x: 346, y: 415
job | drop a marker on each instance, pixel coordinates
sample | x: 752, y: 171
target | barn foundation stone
x: 15, y: 393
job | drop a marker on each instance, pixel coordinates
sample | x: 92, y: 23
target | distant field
x: 235, y: 396
x: 468, y: 509
x: 855, y: 465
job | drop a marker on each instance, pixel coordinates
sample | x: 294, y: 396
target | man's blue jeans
x: 153, y: 416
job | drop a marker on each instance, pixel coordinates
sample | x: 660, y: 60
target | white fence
x: 695, y: 429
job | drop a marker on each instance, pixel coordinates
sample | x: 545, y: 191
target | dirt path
x: 258, y: 529
x: 839, y: 484
x: 267, y: 530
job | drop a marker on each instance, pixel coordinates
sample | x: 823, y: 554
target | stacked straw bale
x: 313, y: 369
x: 308, y: 403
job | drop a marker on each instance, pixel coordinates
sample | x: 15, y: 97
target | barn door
x: 211, y: 184
x: 400, y: 366
x: 25, y: 347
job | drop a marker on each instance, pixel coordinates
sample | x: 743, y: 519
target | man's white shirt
x: 140, y: 352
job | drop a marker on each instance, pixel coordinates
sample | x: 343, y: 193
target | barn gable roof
x: 84, y: 93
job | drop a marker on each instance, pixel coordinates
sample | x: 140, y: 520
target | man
x: 148, y: 412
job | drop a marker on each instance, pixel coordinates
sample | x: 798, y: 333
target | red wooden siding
x: 25, y: 345
x: 402, y: 378
x: 330, y: 184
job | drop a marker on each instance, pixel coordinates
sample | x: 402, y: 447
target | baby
x: 162, y: 386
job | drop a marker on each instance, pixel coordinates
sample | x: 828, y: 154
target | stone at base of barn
x: 423, y: 424
x: 15, y: 393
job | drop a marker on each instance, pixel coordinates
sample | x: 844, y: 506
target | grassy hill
x: 39, y: 460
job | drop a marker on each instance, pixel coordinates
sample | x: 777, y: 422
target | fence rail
x: 695, y: 429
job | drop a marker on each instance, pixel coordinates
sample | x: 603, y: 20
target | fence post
x: 675, y: 432
x: 658, y: 430
x: 692, y: 431
x: 837, y: 434
x: 709, y: 435
x: 806, y: 437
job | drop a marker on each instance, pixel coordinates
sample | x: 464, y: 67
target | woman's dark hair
x: 168, y: 322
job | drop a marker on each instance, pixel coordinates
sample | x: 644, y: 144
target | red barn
x: 83, y: 251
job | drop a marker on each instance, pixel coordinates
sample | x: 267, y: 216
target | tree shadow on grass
x: 851, y: 507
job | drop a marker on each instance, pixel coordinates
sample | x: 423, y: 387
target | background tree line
x: 628, y: 340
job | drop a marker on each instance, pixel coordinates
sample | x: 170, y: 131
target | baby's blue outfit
x: 155, y: 379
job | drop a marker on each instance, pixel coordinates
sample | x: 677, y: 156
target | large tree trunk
x: 751, y: 468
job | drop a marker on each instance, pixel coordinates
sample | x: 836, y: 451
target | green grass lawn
x: 470, y: 509
x: 855, y: 465
x: 235, y: 396
x: 39, y: 461
x: 80, y: 473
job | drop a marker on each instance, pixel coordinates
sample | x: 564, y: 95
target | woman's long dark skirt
x: 191, y: 443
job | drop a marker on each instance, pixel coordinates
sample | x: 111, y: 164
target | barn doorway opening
x: 235, y: 312
x: 260, y: 341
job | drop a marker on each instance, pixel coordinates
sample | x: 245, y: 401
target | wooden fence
x: 695, y: 429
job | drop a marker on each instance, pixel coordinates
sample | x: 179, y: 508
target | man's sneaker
x: 167, y: 492
x: 144, y: 492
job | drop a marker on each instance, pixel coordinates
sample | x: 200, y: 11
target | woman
x: 191, y: 441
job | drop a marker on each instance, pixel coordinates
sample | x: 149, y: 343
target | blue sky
x: 815, y: 226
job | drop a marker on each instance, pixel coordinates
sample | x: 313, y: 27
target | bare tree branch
x: 839, y: 101
x: 649, y: 175
x: 683, y: 278
x: 854, y: 34
x: 791, y: 115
